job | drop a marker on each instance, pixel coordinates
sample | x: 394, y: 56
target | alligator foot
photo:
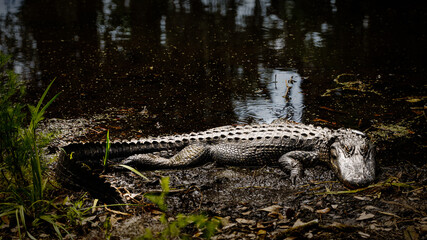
x: 292, y: 162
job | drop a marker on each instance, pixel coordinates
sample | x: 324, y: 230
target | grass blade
x: 107, y: 150
x: 17, y: 222
x: 134, y: 171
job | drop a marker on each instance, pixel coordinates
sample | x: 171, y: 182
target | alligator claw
x: 295, y: 176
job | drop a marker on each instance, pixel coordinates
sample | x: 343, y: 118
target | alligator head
x: 352, y: 158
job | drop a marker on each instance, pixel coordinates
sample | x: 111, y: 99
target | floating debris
x: 411, y: 99
x: 391, y: 131
x: 355, y: 85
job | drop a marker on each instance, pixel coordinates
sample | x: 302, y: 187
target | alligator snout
x: 362, y: 180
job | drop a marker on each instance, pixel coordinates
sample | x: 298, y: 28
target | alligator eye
x: 347, y: 149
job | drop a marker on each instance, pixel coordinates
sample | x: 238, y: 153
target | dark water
x: 189, y: 65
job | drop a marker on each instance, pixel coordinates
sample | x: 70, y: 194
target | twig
x: 98, y: 132
x: 115, y: 211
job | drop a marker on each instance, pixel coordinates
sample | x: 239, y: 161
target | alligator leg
x: 190, y: 156
x: 292, y: 161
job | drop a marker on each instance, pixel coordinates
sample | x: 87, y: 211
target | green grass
x: 22, y: 169
x: 26, y: 200
x: 174, y: 229
x: 107, y: 149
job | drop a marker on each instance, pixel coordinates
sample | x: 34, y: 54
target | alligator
x: 285, y: 144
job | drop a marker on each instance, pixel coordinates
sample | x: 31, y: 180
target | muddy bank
x: 258, y: 203
x: 261, y: 203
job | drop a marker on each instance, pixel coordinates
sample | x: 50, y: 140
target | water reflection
x: 281, y: 97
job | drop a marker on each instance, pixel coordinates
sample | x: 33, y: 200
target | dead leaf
x: 259, y: 225
x: 102, y: 218
x: 246, y: 213
x: 324, y: 121
x: 370, y: 207
x: 229, y: 226
x: 283, y: 221
x: 272, y: 208
x: 245, y: 221
x: 298, y: 228
x: 243, y: 208
x: 276, y: 215
x: 114, y: 219
x: 225, y: 221
x: 362, y: 198
x: 389, y: 223
x: 323, y: 211
x: 261, y: 232
x: 340, y: 226
x: 303, y: 206
x: 308, y: 235
x: 364, y: 235
x: 84, y: 221
x: 298, y: 222
x: 365, y: 216
x: 374, y: 226
x: 197, y: 234
x: 95, y: 224
x: 156, y: 212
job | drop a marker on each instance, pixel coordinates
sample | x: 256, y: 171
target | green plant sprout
x: 107, y: 148
x: 173, y: 229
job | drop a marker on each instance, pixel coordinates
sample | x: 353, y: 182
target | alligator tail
x: 78, y: 174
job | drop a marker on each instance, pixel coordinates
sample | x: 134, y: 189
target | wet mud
x: 242, y: 197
